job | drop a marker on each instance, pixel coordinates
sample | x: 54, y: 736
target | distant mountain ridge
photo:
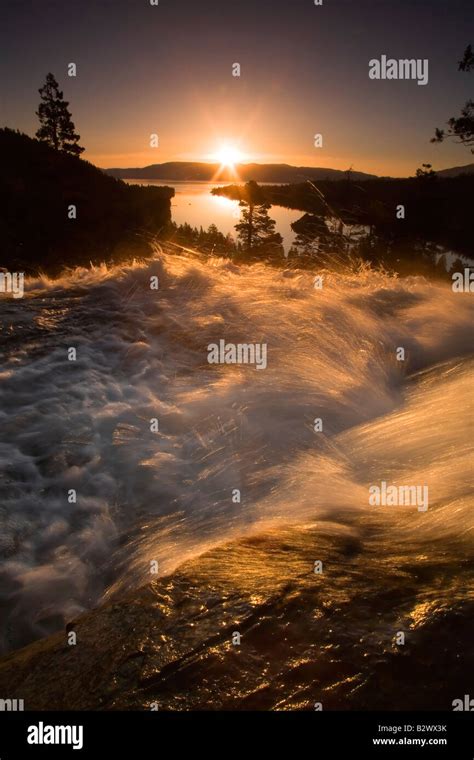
x: 195, y: 171
x: 208, y: 172
x: 455, y: 171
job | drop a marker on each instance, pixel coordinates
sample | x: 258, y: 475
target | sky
x: 167, y: 70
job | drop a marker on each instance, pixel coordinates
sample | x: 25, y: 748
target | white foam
x: 142, y: 353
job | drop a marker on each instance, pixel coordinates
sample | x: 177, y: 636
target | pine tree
x: 461, y: 128
x: 57, y: 127
x: 256, y: 228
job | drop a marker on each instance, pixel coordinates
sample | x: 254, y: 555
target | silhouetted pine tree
x: 57, y: 127
x: 461, y: 128
x: 256, y: 227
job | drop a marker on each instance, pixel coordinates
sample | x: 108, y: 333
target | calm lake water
x: 194, y: 204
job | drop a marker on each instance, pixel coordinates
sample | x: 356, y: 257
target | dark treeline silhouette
x: 333, y: 244
x: 39, y: 184
x: 209, y: 241
x: 438, y: 212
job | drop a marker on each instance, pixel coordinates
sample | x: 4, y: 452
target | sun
x: 228, y: 156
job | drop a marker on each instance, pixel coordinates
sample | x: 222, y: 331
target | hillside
x: 192, y: 171
x: 37, y: 187
x: 196, y: 171
x: 455, y: 171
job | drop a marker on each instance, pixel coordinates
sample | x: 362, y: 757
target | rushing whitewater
x: 167, y: 494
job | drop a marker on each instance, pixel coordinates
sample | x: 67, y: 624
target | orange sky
x: 304, y: 70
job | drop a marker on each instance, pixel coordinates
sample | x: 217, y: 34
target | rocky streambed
x: 306, y: 638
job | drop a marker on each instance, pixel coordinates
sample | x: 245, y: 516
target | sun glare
x: 229, y: 156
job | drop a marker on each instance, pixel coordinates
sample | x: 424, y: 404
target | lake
x: 194, y: 204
